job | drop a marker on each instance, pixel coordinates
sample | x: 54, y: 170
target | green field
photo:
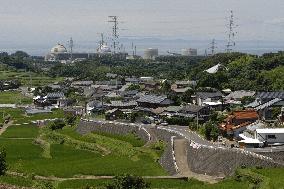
x: 13, y: 97
x: 92, y: 154
x: 21, y: 131
x: 27, y: 78
x: 18, y: 115
x: 65, y: 153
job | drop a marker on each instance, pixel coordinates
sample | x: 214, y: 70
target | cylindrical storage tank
x: 151, y: 53
x: 189, y: 52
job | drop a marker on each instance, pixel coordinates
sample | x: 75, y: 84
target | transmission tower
x: 71, y: 45
x: 231, y: 36
x: 213, y: 47
x: 114, y: 20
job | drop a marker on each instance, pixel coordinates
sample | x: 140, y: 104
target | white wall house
x: 271, y: 136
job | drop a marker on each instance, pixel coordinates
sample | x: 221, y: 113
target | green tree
x: 70, y: 119
x: 128, y: 182
x: 3, y: 164
x: 57, y: 124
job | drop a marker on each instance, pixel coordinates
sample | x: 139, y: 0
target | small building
x: 202, y: 97
x: 56, y: 99
x: 79, y: 84
x: 151, y: 85
x: 202, y: 112
x: 75, y: 111
x: 236, y: 96
x: 184, y: 84
x: 237, y: 122
x: 263, y: 138
x: 270, y: 136
x: 122, y: 104
x: 154, y: 101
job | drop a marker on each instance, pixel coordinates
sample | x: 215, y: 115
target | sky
x: 42, y: 23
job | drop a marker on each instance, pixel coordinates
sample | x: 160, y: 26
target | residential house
x: 154, y: 101
x: 57, y: 99
x: 238, y: 121
x: 151, y: 85
x: 184, y: 84
x: 266, y: 102
x: 95, y: 107
x: 212, y: 99
x: 81, y: 84
x: 74, y: 110
x: 199, y: 112
x: 236, y: 96
x: 122, y: 104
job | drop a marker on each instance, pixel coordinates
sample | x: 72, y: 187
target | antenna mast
x: 231, y: 37
x: 114, y: 20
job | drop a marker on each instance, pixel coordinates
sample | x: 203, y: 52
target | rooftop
x: 271, y: 130
x: 245, y: 114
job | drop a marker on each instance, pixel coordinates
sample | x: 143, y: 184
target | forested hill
x: 238, y: 70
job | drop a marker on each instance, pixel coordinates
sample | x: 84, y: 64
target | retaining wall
x: 224, y: 162
x: 85, y: 127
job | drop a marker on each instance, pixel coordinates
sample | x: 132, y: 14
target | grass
x: 13, y: 97
x: 21, y: 131
x: 18, y: 115
x: 67, y: 161
x: 26, y: 80
x: 130, y: 138
x: 17, y: 181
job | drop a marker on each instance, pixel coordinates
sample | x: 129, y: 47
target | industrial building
x: 151, y: 53
x: 189, y: 52
x: 60, y: 53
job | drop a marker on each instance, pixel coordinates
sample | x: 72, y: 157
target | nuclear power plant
x: 151, y: 53
x: 189, y: 52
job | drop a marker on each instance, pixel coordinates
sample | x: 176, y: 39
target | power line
x: 71, y: 45
x: 231, y: 36
x: 115, y: 35
x: 213, y: 47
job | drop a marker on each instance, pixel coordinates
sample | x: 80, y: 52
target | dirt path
x: 180, y: 150
x: 5, y: 126
x: 154, y: 138
x: 87, y: 177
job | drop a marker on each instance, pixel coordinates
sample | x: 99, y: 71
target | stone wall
x: 85, y: 127
x: 223, y: 162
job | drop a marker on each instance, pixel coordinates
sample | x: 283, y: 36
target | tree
x: 70, y: 119
x: 3, y: 165
x: 186, y: 97
x: 166, y: 87
x: 128, y: 182
x: 57, y: 124
x: 20, y: 55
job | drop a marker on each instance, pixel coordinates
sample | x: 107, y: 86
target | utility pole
x: 71, y: 45
x: 114, y: 20
x: 132, y: 47
x: 231, y: 36
x: 213, y: 47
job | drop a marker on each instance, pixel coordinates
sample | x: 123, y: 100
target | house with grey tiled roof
x: 154, y: 101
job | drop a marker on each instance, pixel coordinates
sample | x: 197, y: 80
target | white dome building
x: 104, y: 49
x: 58, y: 49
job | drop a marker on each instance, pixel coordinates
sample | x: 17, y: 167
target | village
x: 249, y: 119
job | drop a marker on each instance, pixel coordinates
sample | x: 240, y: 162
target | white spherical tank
x: 151, y: 53
x: 189, y: 52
